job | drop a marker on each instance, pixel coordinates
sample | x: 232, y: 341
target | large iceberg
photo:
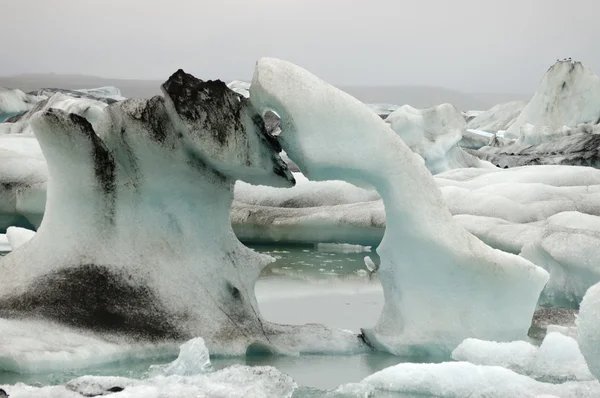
x: 434, y: 134
x: 441, y: 284
x: 136, y: 241
x: 568, y: 95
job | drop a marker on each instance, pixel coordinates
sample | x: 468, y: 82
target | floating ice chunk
x: 463, y: 379
x: 109, y: 92
x: 589, y: 328
x: 4, y: 244
x: 559, y: 359
x: 570, y: 256
x: 193, y: 358
x: 383, y: 110
x: 515, y: 355
x: 498, y: 118
x: 570, y: 331
x: 342, y: 248
x: 89, y: 108
x: 240, y: 87
x: 94, y: 386
x: 18, y: 236
x: 475, y: 139
x: 15, y: 101
x: 361, y: 223
x: 434, y: 134
x: 236, y: 382
x: 476, y: 291
x: 304, y: 194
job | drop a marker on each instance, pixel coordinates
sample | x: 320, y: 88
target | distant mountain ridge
x: 416, y: 96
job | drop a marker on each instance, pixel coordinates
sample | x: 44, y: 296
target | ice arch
x: 441, y: 284
x: 136, y: 241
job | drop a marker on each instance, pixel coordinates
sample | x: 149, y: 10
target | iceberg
x: 434, y: 134
x: 441, y: 284
x: 568, y: 95
x: 136, y: 241
x: 557, y: 360
x: 15, y: 101
x: 588, y: 324
x: 89, y: 108
x: 462, y: 379
x: 497, y: 118
x: 579, y: 146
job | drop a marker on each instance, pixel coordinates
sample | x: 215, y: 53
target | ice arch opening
x: 441, y: 284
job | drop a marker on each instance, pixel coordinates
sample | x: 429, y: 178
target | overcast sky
x: 469, y: 45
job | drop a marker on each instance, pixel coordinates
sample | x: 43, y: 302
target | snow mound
x: 434, y: 134
x: 16, y: 101
x: 463, y: 379
x: 569, y: 94
x: 429, y: 264
x: 17, y: 236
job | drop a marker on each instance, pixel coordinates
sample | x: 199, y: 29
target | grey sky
x: 469, y: 45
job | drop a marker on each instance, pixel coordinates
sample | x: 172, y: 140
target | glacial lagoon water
x: 306, y: 284
x: 5, y: 116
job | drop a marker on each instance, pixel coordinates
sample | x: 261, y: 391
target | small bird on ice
x: 3, y: 394
x: 371, y: 266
